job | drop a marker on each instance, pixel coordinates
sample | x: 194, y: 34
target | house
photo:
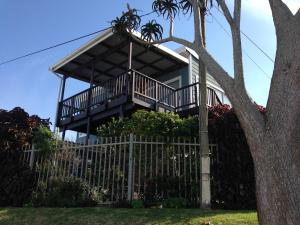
x: 125, y: 75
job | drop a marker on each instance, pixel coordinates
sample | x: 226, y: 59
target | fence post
x: 31, y: 160
x: 130, y: 170
x: 205, y: 179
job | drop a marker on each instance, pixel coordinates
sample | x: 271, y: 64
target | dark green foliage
x: 137, y: 204
x: 17, y: 181
x: 43, y: 140
x: 175, y: 203
x: 165, y: 191
x: 67, y: 192
x: 122, y: 204
x: 232, y: 181
x: 149, y: 123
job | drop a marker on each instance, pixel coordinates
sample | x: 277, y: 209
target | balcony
x: 125, y: 93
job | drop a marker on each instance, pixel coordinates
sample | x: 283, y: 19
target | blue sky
x: 30, y: 25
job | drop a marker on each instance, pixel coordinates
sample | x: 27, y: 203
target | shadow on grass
x: 95, y: 216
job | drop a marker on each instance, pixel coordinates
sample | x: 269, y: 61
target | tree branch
x: 281, y: 13
x: 216, y: 70
x: 298, y: 12
x: 225, y: 11
x: 197, y: 24
x: 250, y: 117
x: 164, y: 40
x: 237, y: 11
x: 237, y: 47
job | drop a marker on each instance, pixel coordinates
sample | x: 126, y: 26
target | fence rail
x: 127, y: 167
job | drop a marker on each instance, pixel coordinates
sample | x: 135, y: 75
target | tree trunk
x: 277, y: 170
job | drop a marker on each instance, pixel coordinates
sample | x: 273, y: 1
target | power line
x: 257, y: 46
x: 60, y: 44
x: 258, y: 66
x: 53, y: 46
x: 250, y: 39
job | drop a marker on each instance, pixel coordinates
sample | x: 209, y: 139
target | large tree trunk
x: 277, y: 161
x: 277, y: 181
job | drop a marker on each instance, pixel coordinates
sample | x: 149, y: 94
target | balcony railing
x: 135, y: 86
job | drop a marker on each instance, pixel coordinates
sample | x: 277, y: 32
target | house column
x: 88, y: 127
x: 59, y: 104
x: 63, y: 88
x: 130, y: 77
x: 130, y: 56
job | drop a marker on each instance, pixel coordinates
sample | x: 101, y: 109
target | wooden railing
x: 95, y: 96
x: 136, y: 86
x: 148, y: 88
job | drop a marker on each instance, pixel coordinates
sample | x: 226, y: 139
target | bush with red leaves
x: 232, y: 171
x: 17, y: 180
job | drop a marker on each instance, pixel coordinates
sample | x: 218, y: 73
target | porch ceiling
x: 109, y: 54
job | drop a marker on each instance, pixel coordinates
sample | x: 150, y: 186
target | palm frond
x: 129, y: 21
x: 186, y: 7
x: 167, y: 8
x: 152, y: 31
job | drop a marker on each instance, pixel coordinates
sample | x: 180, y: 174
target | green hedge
x: 150, y: 123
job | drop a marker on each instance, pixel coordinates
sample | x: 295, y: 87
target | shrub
x: 232, y: 171
x: 43, y: 140
x: 17, y: 181
x: 122, y: 204
x: 68, y: 192
x: 175, y: 203
x: 17, y: 128
x: 137, y: 204
x: 150, y: 123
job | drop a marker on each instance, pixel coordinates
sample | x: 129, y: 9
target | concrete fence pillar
x: 205, y: 182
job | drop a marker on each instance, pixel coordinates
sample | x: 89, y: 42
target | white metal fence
x: 127, y: 167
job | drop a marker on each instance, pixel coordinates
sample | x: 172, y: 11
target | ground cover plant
x: 64, y: 192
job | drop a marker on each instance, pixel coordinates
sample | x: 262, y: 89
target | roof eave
x: 99, y: 38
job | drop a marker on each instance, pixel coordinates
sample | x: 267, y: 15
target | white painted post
x: 130, y: 170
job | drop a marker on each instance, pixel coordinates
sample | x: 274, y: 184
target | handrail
x: 138, y: 86
x: 98, y: 85
x: 163, y: 84
x: 187, y: 86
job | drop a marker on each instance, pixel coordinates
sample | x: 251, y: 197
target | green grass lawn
x: 94, y: 216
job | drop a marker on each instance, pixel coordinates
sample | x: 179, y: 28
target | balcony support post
x: 63, y: 88
x: 130, y: 56
x: 88, y: 107
x: 130, y: 72
x: 60, y: 101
